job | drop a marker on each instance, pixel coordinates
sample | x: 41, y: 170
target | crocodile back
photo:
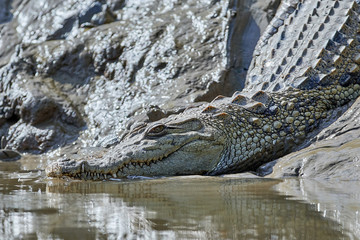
x: 307, y: 45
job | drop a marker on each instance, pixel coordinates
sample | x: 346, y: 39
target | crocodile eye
x: 156, y: 130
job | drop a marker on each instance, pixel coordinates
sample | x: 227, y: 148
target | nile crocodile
x: 310, y: 47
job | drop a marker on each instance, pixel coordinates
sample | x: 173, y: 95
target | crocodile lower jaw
x: 83, y: 170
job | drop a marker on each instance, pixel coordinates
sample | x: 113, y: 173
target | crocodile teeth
x: 114, y: 175
x: 82, y: 168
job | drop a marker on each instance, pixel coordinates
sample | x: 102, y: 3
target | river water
x: 193, y: 207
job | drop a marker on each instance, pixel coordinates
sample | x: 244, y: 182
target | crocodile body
x: 311, y: 46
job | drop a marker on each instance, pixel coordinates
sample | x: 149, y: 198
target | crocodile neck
x: 287, y: 118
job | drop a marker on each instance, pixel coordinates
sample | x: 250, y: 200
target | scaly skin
x: 229, y: 135
x: 310, y: 45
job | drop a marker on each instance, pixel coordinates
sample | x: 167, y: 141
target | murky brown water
x: 33, y: 207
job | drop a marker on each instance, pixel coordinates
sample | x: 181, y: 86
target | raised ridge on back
x: 294, y: 53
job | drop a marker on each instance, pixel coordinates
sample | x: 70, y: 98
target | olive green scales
x: 310, y: 51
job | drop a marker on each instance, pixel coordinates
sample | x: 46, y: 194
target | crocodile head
x: 179, y: 145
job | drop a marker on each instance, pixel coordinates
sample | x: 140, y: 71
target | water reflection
x: 32, y: 207
x: 337, y: 200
